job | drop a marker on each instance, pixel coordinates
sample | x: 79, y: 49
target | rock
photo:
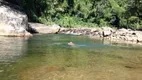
x: 13, y: 22
x: 130, y: 38
x: 139, y: 35
x: 107, y: 31
x: 139, y: 39
x: 44, y: 29
x: 94, y: 29
x: 63, y: 29
x: 54, y: 28
x: 120, y: 33
x: 126, y: 35
x: 123, y: 30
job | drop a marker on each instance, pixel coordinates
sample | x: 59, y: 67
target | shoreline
x: 126, y: 36
x: 110, y: 35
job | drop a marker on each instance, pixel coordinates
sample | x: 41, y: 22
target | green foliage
x: 90, y: 13
x: 68, y: 21
x: 133, y: 21
x: 116, y: 7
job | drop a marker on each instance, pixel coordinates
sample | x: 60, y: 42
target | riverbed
x: 49, y: 57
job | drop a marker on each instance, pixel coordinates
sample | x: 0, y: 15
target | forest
x: 85, y: 13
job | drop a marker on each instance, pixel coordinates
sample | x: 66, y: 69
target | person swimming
x: 71, y: 44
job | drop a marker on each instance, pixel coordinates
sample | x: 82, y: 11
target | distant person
x: 71, y: 44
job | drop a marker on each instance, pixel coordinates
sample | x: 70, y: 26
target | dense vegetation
x: 90, y: 13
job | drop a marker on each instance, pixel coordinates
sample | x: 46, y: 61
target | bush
x: 91, y: 13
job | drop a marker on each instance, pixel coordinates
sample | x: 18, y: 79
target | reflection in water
x: 12, y: 48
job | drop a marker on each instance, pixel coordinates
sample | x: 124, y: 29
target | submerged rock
x: 13, y: 21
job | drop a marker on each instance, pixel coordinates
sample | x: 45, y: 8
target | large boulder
x: 44, y: 29
x: 13, y: 22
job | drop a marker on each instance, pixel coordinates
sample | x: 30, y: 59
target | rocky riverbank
x: 107, y: 33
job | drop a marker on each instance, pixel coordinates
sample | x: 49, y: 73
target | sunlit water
x: 49, y: 57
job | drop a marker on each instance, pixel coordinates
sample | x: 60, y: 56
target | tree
x: 118, y: 13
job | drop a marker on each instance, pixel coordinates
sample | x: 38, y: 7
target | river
x: 49, y: 57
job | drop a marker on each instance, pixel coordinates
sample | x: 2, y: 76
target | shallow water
x: 49, y: 57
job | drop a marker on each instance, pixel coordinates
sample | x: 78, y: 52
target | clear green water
x: 49, y: 57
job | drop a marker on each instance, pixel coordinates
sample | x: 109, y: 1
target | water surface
x: 49, y: 57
